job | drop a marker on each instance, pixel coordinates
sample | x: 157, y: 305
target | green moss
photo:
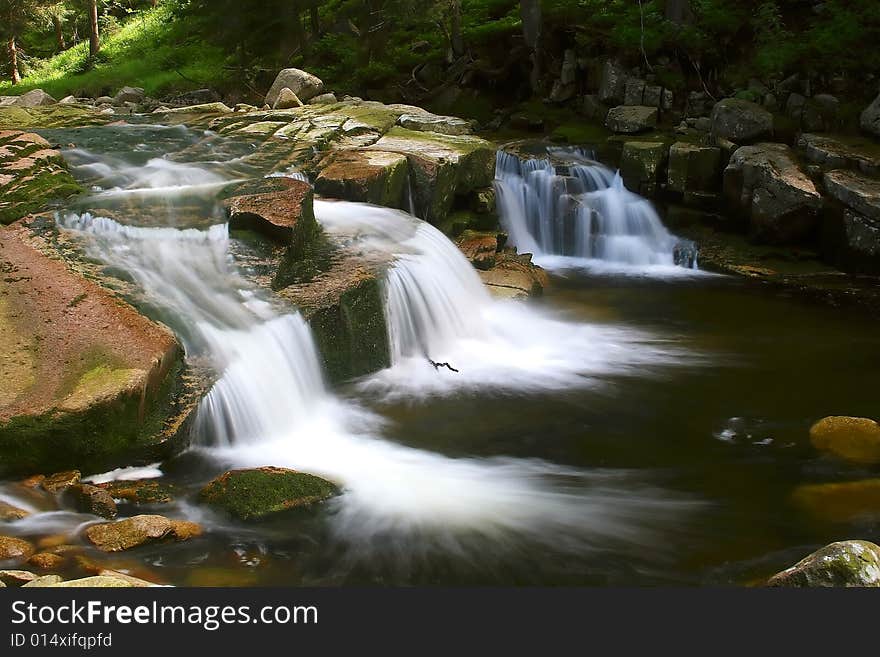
x: 254, y: 494
x: 580, y: 133
x: 302, y: 265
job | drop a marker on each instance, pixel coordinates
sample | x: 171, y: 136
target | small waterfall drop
x: 566, y: 204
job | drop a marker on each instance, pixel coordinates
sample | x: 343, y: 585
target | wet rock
x: 842, y: 502
x: 869, y: 119
x: 254, y: 494
x: 612, y: 89
x: 631, y: 120
x: 853, y: 438
x: 324, y: 99
x: 141, y: 491
x: 92, y: 499
x: 643, y: 165
x: 31, y: 174
x: 852, y: 228
x: 139, y: 530
x: 427, y: 122
x: 51, y: 116
x: 741, y: 121
x: 514, y: 277
x: 57, y: 482
x: 480, y: 248
x: 204, y: 108
x: 694, y: 168
x: 16, y: 577
x: 839, y: 152
x: 779, y: 199
x: 44, y: 581
x: 855, y: 191
x: 305, y: 85
x: 376, y: 177
x: 12, y: 548
x: 285, y: 216
x: 286, y: 99
x: 46, y: 561
x: 107, y: 375
x: 34, y: 98
x: 9, y: 512
x: 843, y: 564
x: 483, y: 201
x: 129, y: 95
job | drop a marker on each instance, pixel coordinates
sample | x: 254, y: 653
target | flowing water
x: 569, y: 210
x: 621, y: 430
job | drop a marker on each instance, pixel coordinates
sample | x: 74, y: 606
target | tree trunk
x: 59, y: 34
x: 13, y: 60
x: 315, y: 21
x: 455, y: 29
x: 94, y: 37
x: 530, y: 11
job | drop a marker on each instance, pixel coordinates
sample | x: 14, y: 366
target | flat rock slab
x: 841, y: 152
x: 855, y: 191
x: 139, y: 530
x: 377, y: 177
x: 83, y: 372
x: 280, y: 215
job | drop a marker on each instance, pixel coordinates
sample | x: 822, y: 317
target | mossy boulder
x: 643, y: 165
x: 840, y: 564
x: 53, y: 116
x: 31, y: 174
x: 694, y: 168
x: 366, y: 176
x: 260, y: 492
x: 855, y: 439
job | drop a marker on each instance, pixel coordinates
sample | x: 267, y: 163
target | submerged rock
x: 88, y: 381
x: 9, y: 512
x: 305, y: 85
x: 46, y: 560
x: 844, y: 564
x: 853, y: 438
x: 141, y: 491
x: 139, y: 530
x: 12, y: 548
x: 772, y: 190
x: 839, y: 502
x: 741, y: 121
x: 631, y: 119
x: 254, y: 494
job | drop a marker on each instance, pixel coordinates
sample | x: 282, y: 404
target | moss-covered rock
x: 643, y: 165
x: 52, y: 116
x: 841, y: 564
x: 365, y: 176
x: 853, y: 438
x: 257, y: 493
x: 141, y: 491
x: 694, y: 168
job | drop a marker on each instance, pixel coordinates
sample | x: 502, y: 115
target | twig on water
x: 437, y: 366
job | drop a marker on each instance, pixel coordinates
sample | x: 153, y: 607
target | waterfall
x: 437, y: 310
x: 565, y: 204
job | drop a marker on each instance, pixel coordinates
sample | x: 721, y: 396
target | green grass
x: 147, y: 51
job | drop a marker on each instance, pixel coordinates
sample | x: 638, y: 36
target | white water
x: 583, y: 214
x: 437, y: 309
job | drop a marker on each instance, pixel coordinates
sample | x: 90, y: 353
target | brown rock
x: 9, y: 512
x: 285, y: 216
x: 15, y: 548
x: 515, y: 277
x: 142, y: 491
x: 376, y: 177
x: 60, y: 480
x: 46, y: 561
x: 133, y: 581
x: 840, y: 502
x: 16, y: 577
x: 479, y: 248
x: 93, y: 499
x: 139, y: 530
x: 44, y: 580
x: 853, y: 438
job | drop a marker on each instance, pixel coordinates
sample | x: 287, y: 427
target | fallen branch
x: 437, y: 366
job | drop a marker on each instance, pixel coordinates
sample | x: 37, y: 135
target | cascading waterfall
x: 438, y: 311
x: 580, y: 209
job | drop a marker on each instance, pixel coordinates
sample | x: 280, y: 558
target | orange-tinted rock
x: 139, y: 530
x: 285, y: 216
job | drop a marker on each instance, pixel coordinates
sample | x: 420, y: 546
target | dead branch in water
x: 437, y: 366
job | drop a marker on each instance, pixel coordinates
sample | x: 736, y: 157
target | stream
x: 643, y: 423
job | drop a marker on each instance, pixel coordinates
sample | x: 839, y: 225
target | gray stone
x: 666, y: 100
x: 593, y: 108
x: 286, y: 99
x: 129, y: 95
x: 305, y: 85
x: 642, y: 164
x: 741, y: 121
x: 631, y: 120
x: 568, y: 74
x: 427, y: 122
x: 653, y: 96
x: 34, y: 98
x: 634, y: 92
x: 843, y: 564
x: 323, y: 99
x: 694, y: 168
x: 613, y: 85
x: 768, y: 184
x: 870, y: 118
x: 855, y: 191
x: 831, y: 152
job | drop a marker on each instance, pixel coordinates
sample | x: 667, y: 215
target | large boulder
x: 129, y: 95
x: 855, y: 439
x: 612, y: 88
x: 260, y: 492
x: 139, y: 530
x: 305, y: 85
x: 31, y: 173
x: 643, y: 165
x: 741, y: 121
x: 841, y: 564
x: 631, y: 119
x: 34, y: 98
x: 376, y: 177
x: 870, y: 118
x: 87, y: 380
x: 852, y: 235
x: 694, y: 168
x: 778, y: 198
